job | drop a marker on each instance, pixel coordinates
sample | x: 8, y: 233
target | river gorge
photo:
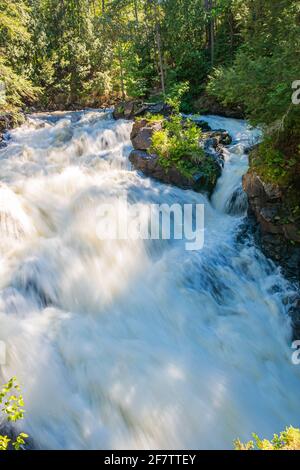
x: 136, y: 344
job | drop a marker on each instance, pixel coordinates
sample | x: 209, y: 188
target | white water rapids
x: 134, y: 344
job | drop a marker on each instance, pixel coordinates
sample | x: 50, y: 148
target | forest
x: 244, y: 54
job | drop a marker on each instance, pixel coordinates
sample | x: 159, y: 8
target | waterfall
x: 135, y: 344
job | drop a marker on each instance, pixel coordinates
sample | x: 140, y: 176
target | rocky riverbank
x: 275, y: 208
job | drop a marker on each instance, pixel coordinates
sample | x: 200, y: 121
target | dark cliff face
x: 279, y: 235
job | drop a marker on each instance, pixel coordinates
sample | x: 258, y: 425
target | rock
x: 206, y: 172
x: 159, y: 108
x: 207, y: 104
x: 204, y: 126
x: 279, y: 239
x: 125, y: 110
x: 150, y: 166
x: 142, y: 133
x: 131, y: 109
x: 221, y: 136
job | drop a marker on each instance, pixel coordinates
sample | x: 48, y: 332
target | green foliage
x: 149, y: 117
x: 270, y: 162
x: 18, y: 89
x: 277, y: 161
x: 287, y: 440
x: 260, y: 81
x: 266, y: 64
x: 85, y: 52
x: 175, y: 95
x: 12, y: 407
x: 12, y: 400
x: 14, y: 39
x: 178, y: 145
x: 88, y: 53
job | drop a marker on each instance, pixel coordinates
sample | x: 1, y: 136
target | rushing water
x: 135, y: 344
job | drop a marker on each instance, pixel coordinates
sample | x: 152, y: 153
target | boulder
x: 142, y: 133
x: 132, y: 109
x: 204, y: 126
x: 149, y: 164
x: 125, y: 110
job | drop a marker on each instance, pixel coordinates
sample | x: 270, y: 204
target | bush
x: 12, y: 404
x: 18, y: 89
x: 287, y: 440
x: 175, y: 95
x: 177, y: 145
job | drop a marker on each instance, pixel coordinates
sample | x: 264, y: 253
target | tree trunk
x: 122, y: 76
x: 212, y: 34
x: 136, y: 12
x: 210, y: 30
x: 212, y: 41
x: 231, y: 26
x: 159, y: 49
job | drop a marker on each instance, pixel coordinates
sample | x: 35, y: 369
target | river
x: 135, y: 344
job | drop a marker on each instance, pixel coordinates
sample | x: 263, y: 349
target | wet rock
x: 149, y: 164
x: 158, y: 108
x: 279, y: 238
x: 142, y: 133
x: 221, y: 137
x: 125, y: 110
x: 203, y: 125
x: 132, y: 109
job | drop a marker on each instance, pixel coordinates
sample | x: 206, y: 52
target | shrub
x: 175, y: 95
x: 149, y: 117
x: 287, y: 440
x: 12, y: 404
x: 177, y: 144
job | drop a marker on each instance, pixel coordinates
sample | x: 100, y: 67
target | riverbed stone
x: 142, y: 133
x: 135, y: 108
